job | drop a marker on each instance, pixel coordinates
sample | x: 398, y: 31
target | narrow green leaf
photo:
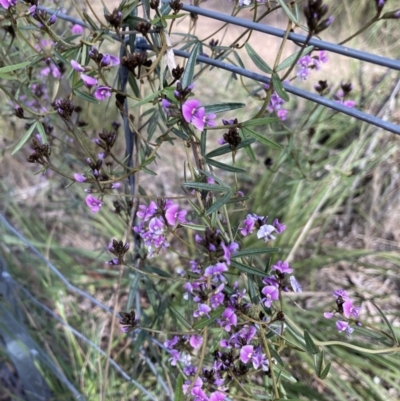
x: 42, y: 132
x: 260, y: 138
x: 217, y: 205
x: 133, y: 84
x: 202, y: 186
x: 203, y: 142
x: 248, y: 149
x: 220, y: 107
x: 325, y: 372
x: 387, y: 322
x: 278, y: 86
x: 277, y: 356
x: 259, y: 121
x: 25, y: 138
x: 319, y: 364
x: 214, y: 315
x: 226, y: 149
x: 247, y: 269
x: 253, y: 292
x: 310, y: 345
x: 196, y: 227
x: 85, y: 96
x: 254, y: 251
x: 90, y: 21
x: 289, y: 61
x: 224, y: 166
x: 178, y: 315
x: 148, y: 161
x: 148, y: 171
x: 180, y: 134
x: 147, y: 99
x: 257, y: 60
x: 187, y: 78
x: 8, y: 77
x: 173, y: 16
x: 14, y: 67
x: 288, y: 12
x: 179, y: 388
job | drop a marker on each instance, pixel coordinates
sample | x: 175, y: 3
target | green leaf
x: 247, y: 269
x: 226, y: 149
x: 253, y: 292
x: 202, y: 186
x: 220, y: 107
x: 288, y: 12
x: 254, y: 251
x: 310, y: 345
x: 259, y: 121
x: 225, y: 167
x: 325, y: 372
x: 248, y: 149
x: 214, y: 315
x: 203, y: 142
x: 319, y: 364
x: 215, y: 206
x: 179, y: 388
x: 257, y: 60
x: 42, y: 132
x: 260, y: 138
x: 289, y: 61
x: 14, y: 67
x: 85, y: 96
x: 187, y: 78
x: 278, y: 86
x: 181, y: 319
x: 196, y: 227
x: 8, y: 77
x: 148, y: 161
x: 90, y: 21
x: 25, y: 138
x: 387, y: 323
x: 277, y: 356
x: 148, y: 171
x: 173, y: 16
x: 147, y: 99
x: 180, y: 134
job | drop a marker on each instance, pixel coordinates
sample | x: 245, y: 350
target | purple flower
x: 76, y: 66
x: 341, y: 293
x: 171, y: 343
x: 344, y: 327
x: 166, y: 104
x: 216, y: 271
x: 351, y: 311
x: 77, y: 29
x: 108, y: 59
x: 303, y: 73
x: 246, y: 353
x: 265, y: 232
x: 8, y: 3
x: 79, y: 177
x: 282, y: 267
x: 156, y: 226
x: 279, y: 227
x: 195, y: 266
x: 172, y: 215
x: 146, y: 212
x: 229, y: 250
x: 228, y: 319
x: 88, y: 80
x: 249, y: 223
x: 271, y: 294
x: 196, y: 341
x: 203, y: 309
x: 304, y: 61
x: 193, y: 113
x: 94, y: 203
x: 328, y: 315
x: 282, y: 114
x: 102, y: 92
x: 217, y: 396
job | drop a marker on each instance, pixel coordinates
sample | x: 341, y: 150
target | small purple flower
x: 246, y: 353
x: 217, y: 396
x: 108, y: 59
x: 351, y: 311
x: 296, y: 287
x: 8, y: 3
x: 303, y: 73
x: 79, y: 177
x: 166, y: 104
x: 88, y: 80
x: 221, y: 141
x: 76, y: 66
x: 271, y: 294
x: 196, y: 341
x: 341, y: 293
x: 249, y: 223
x: 282, y: 267
x: 344, y: 327
x: 94, y: 203
x: 171, y: 343
x: 282, y: 114
x: 265, y: 232
x: 52, y: 20
x: 146, y: 212
x: 195, y: 267
x: 216, y: 271
x: 172, y: 215
x: 202, y: 310
x: 77, y: 29
x: 156, y: 226
x: 228, y: 319
x: 229, y: 250
x: 102, y: 92
x: 328, y: 315
x: 304, y: 61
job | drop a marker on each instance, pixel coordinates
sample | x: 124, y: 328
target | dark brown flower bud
x: 114, y: 19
